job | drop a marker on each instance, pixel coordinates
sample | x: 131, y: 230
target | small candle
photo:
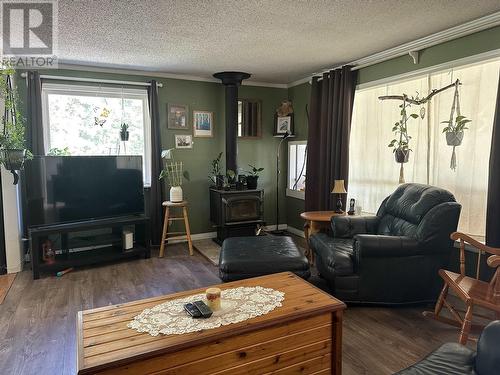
x: 213, y: 298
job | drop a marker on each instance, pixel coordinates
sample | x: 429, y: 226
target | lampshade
x: 338, y: 187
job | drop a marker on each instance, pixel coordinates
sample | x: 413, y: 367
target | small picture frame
x: 203, y: 124
x: 284, y: 124
x: 183, y: 141
x: 177, y: 115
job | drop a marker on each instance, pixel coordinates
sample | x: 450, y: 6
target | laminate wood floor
x: 37, y: 318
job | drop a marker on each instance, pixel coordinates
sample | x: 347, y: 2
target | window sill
x: 295, y: 194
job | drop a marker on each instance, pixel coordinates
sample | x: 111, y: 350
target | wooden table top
x: 105, y: 341
x: 320, y: 215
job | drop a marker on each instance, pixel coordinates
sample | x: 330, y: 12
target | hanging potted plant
x: 174, y: 172
x: 455, y: 130
x: 401, y: 143
x: 455, y: 127
x: 215, y: 176
x: 253, y: 176
x: 12, y: 136
x: 124, y: 133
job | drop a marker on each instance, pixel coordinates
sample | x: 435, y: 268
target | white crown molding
x: 471, y: 27
x: 469, y: 60
x: 133, y: 72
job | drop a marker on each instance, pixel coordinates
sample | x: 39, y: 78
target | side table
x: 315, y: 222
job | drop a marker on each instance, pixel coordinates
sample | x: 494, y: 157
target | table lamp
x: 339, y: 188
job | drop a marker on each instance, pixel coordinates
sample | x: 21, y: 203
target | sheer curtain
x: 469, y: 182
x: 373, y: 171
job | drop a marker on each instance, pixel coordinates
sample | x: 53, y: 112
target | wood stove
x: 236, y: 213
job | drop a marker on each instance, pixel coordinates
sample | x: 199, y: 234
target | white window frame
x: 109, y: 92
x: 290, y: 192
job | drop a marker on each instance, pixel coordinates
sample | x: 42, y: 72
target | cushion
x: 412, y: 201
x: 336, y: 253
x: 244, y: 257
x: 449, y: 359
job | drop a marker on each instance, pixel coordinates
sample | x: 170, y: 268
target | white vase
x: 175, y: 194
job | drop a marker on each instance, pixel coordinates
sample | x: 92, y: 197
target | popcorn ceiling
x: 278, y: 41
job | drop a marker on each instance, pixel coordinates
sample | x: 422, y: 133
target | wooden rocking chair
x: 472, y: 291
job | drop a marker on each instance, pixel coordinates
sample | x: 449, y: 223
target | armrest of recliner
x: 349, y: 226
x: 369, y: 245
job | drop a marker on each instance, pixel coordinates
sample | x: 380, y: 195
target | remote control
x: 192, y: 310
x: 203, y: 308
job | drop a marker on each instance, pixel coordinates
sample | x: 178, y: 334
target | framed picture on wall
x: 284, y: 124
x: 177, y: 115
x: 183, y: 141
x: 203, y: 124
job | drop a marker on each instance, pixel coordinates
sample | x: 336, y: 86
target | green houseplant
x: 253, y: 176
x: 174, y: 173
x: 215, y: 175
x: 12, y: 136
x: 401, y: 143
x: 455, y: 130
x: 124, y: 133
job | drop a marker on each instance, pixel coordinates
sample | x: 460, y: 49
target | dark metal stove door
x: 241, y: 208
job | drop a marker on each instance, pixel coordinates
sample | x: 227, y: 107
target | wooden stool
x: 168, y: 219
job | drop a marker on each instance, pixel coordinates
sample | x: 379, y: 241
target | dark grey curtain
x: 493, y: 204
x: 34, y: 114
x: 155, y: 194
x: 330, y: 115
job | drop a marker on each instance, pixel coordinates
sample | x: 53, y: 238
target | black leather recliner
x: 393, y: 257
x: 455, y: 359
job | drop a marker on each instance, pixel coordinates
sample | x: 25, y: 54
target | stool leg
x: 164, y: 233
x: 188, y: 231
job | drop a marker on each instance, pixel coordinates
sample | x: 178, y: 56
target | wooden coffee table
x: 315, y: 222
x: 304, y: 336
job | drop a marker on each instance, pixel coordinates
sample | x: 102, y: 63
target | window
x: 373, y: 173
x: 296, y: 185
x: 86, y: 120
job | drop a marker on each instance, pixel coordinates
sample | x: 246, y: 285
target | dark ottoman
x: 245, y: 257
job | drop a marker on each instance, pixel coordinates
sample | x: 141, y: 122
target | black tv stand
x: 89, y: 248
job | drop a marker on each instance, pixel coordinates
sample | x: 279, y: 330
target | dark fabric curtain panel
x: 330, y: 115
x: 155, y: 196
x: 493, y: 205
x: 34, y: 115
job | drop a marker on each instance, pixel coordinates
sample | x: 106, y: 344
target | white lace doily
x: 237, y: 305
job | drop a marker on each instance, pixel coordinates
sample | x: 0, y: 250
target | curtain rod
x: 95, y: 80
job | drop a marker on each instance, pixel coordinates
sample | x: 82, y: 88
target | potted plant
x: 231, y: 179
x: 400, y: 144
x: 215, y: 175
x: 173, y: 171
x: 253, y: 176
x: 455, y: 130
x: 124, y: 133
x: 12, y: 136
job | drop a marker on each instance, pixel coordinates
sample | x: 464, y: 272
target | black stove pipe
x: 231, y: 80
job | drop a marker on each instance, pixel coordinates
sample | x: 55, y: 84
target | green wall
x: 473, y: 44
x: 483, y: 41
x: 262, y: 152
x: 208, y: 96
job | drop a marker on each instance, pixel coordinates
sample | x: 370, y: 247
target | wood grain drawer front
x: 299, y: 347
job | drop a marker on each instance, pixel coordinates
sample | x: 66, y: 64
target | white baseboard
x: 208, y: 235
x: 296, y: 231
x: 273, y: 227
x: 194, y: 237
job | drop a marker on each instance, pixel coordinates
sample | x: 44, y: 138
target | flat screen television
x: 62, y: 189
